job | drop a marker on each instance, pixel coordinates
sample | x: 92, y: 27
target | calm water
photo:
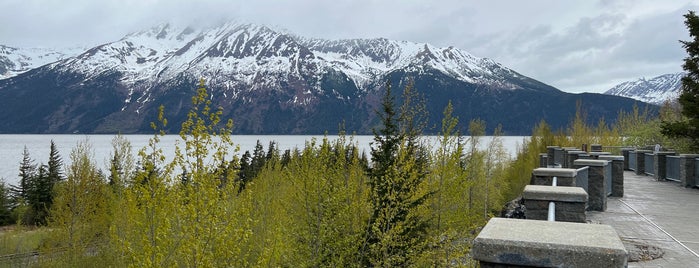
x: 11, y: 147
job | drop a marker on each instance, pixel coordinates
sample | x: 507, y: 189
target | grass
x: 18, y: 240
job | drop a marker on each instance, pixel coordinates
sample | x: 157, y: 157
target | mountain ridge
x: 272, y: 82
x: 656, y: 90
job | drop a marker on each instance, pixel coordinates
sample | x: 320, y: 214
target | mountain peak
x: 655, y: 90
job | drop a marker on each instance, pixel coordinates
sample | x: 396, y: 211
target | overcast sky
x: 574, y: 45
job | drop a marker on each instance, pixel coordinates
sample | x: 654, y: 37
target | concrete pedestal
x: 596, y: 182
x: 570, y: 202
x: 571, y: 156
x: 687, y: 167
x: 543, y: 160
x: 527, y: 243
x: 625, y: 153
x: 641, y: 161
x: 617, y: 162
x: 544, y: 176
x: 551, y: 151
x: 566, y: 151
x: 595, y: 148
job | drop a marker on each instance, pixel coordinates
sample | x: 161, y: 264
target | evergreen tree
x: 396, y: 230
x: 6, y: 204
x: 41, y: 196
x: 689, y: 98
x: 246, y: 172
x: 27, y: 172
x: 55, y: 172
x: 258, y: 159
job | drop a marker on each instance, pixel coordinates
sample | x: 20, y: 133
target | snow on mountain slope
x: 273, y: 82
x: 238, y: 54
x: 14, y: 61
x: 367, y: 59
x: 655, y: 90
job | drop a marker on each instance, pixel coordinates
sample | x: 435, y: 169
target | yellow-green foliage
x: 641, y: 128
x: 79, y: 218
x: 312, y: 208
x: 579, y: 132
x: 467, y: 185
x: 194, y: 218
x: 312, y: 211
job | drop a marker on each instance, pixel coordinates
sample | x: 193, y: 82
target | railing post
x: 572, y: 156
x: 570, y: 203
x: 543, y: 160
x: 551, y: 155
x: 625, y: 152
x: 596, y: 182
x: 641, y: 161
x: 617, y: 173
x: 526, y: 243
x: 687, y: 166
x: 544, y: 176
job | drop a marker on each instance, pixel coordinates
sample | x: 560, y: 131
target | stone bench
x: 544, y: 176
x: 526, y: 243
x: 570, y: 202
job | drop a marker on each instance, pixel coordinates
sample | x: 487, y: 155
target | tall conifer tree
x: 689, y: 98
x: 396, y: 230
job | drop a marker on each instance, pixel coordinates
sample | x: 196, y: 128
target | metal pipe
x: 552, y: 205
x: 552, y: 211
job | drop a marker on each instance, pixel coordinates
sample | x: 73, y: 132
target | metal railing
x: 649, y: 164
x: 608, y: 178
x: 581, y: 177
x: 632, y: 160
x: 552, y: 205
x: 672, y: 168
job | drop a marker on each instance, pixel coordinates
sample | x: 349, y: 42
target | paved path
x: 661, y: 214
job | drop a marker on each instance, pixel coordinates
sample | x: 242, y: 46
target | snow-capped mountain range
x: 268, y: 80
x: 656, y: 90
x: 14, y: 60
x: 236, y: 53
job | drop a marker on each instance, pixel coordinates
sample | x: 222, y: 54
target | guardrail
x: 672, y: 168
x: 581, y: 177
x: 543, y: 240
x: 649, y: 168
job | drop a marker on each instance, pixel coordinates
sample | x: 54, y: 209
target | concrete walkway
x: 660, y: 214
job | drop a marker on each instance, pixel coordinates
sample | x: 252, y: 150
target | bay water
x: 12, y: 146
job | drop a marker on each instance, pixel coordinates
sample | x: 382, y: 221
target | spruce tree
x: 6, y: 204
x: 396, y: 230
x: 689, y: 98
x: 55, y: 164
x: 27, y: 172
